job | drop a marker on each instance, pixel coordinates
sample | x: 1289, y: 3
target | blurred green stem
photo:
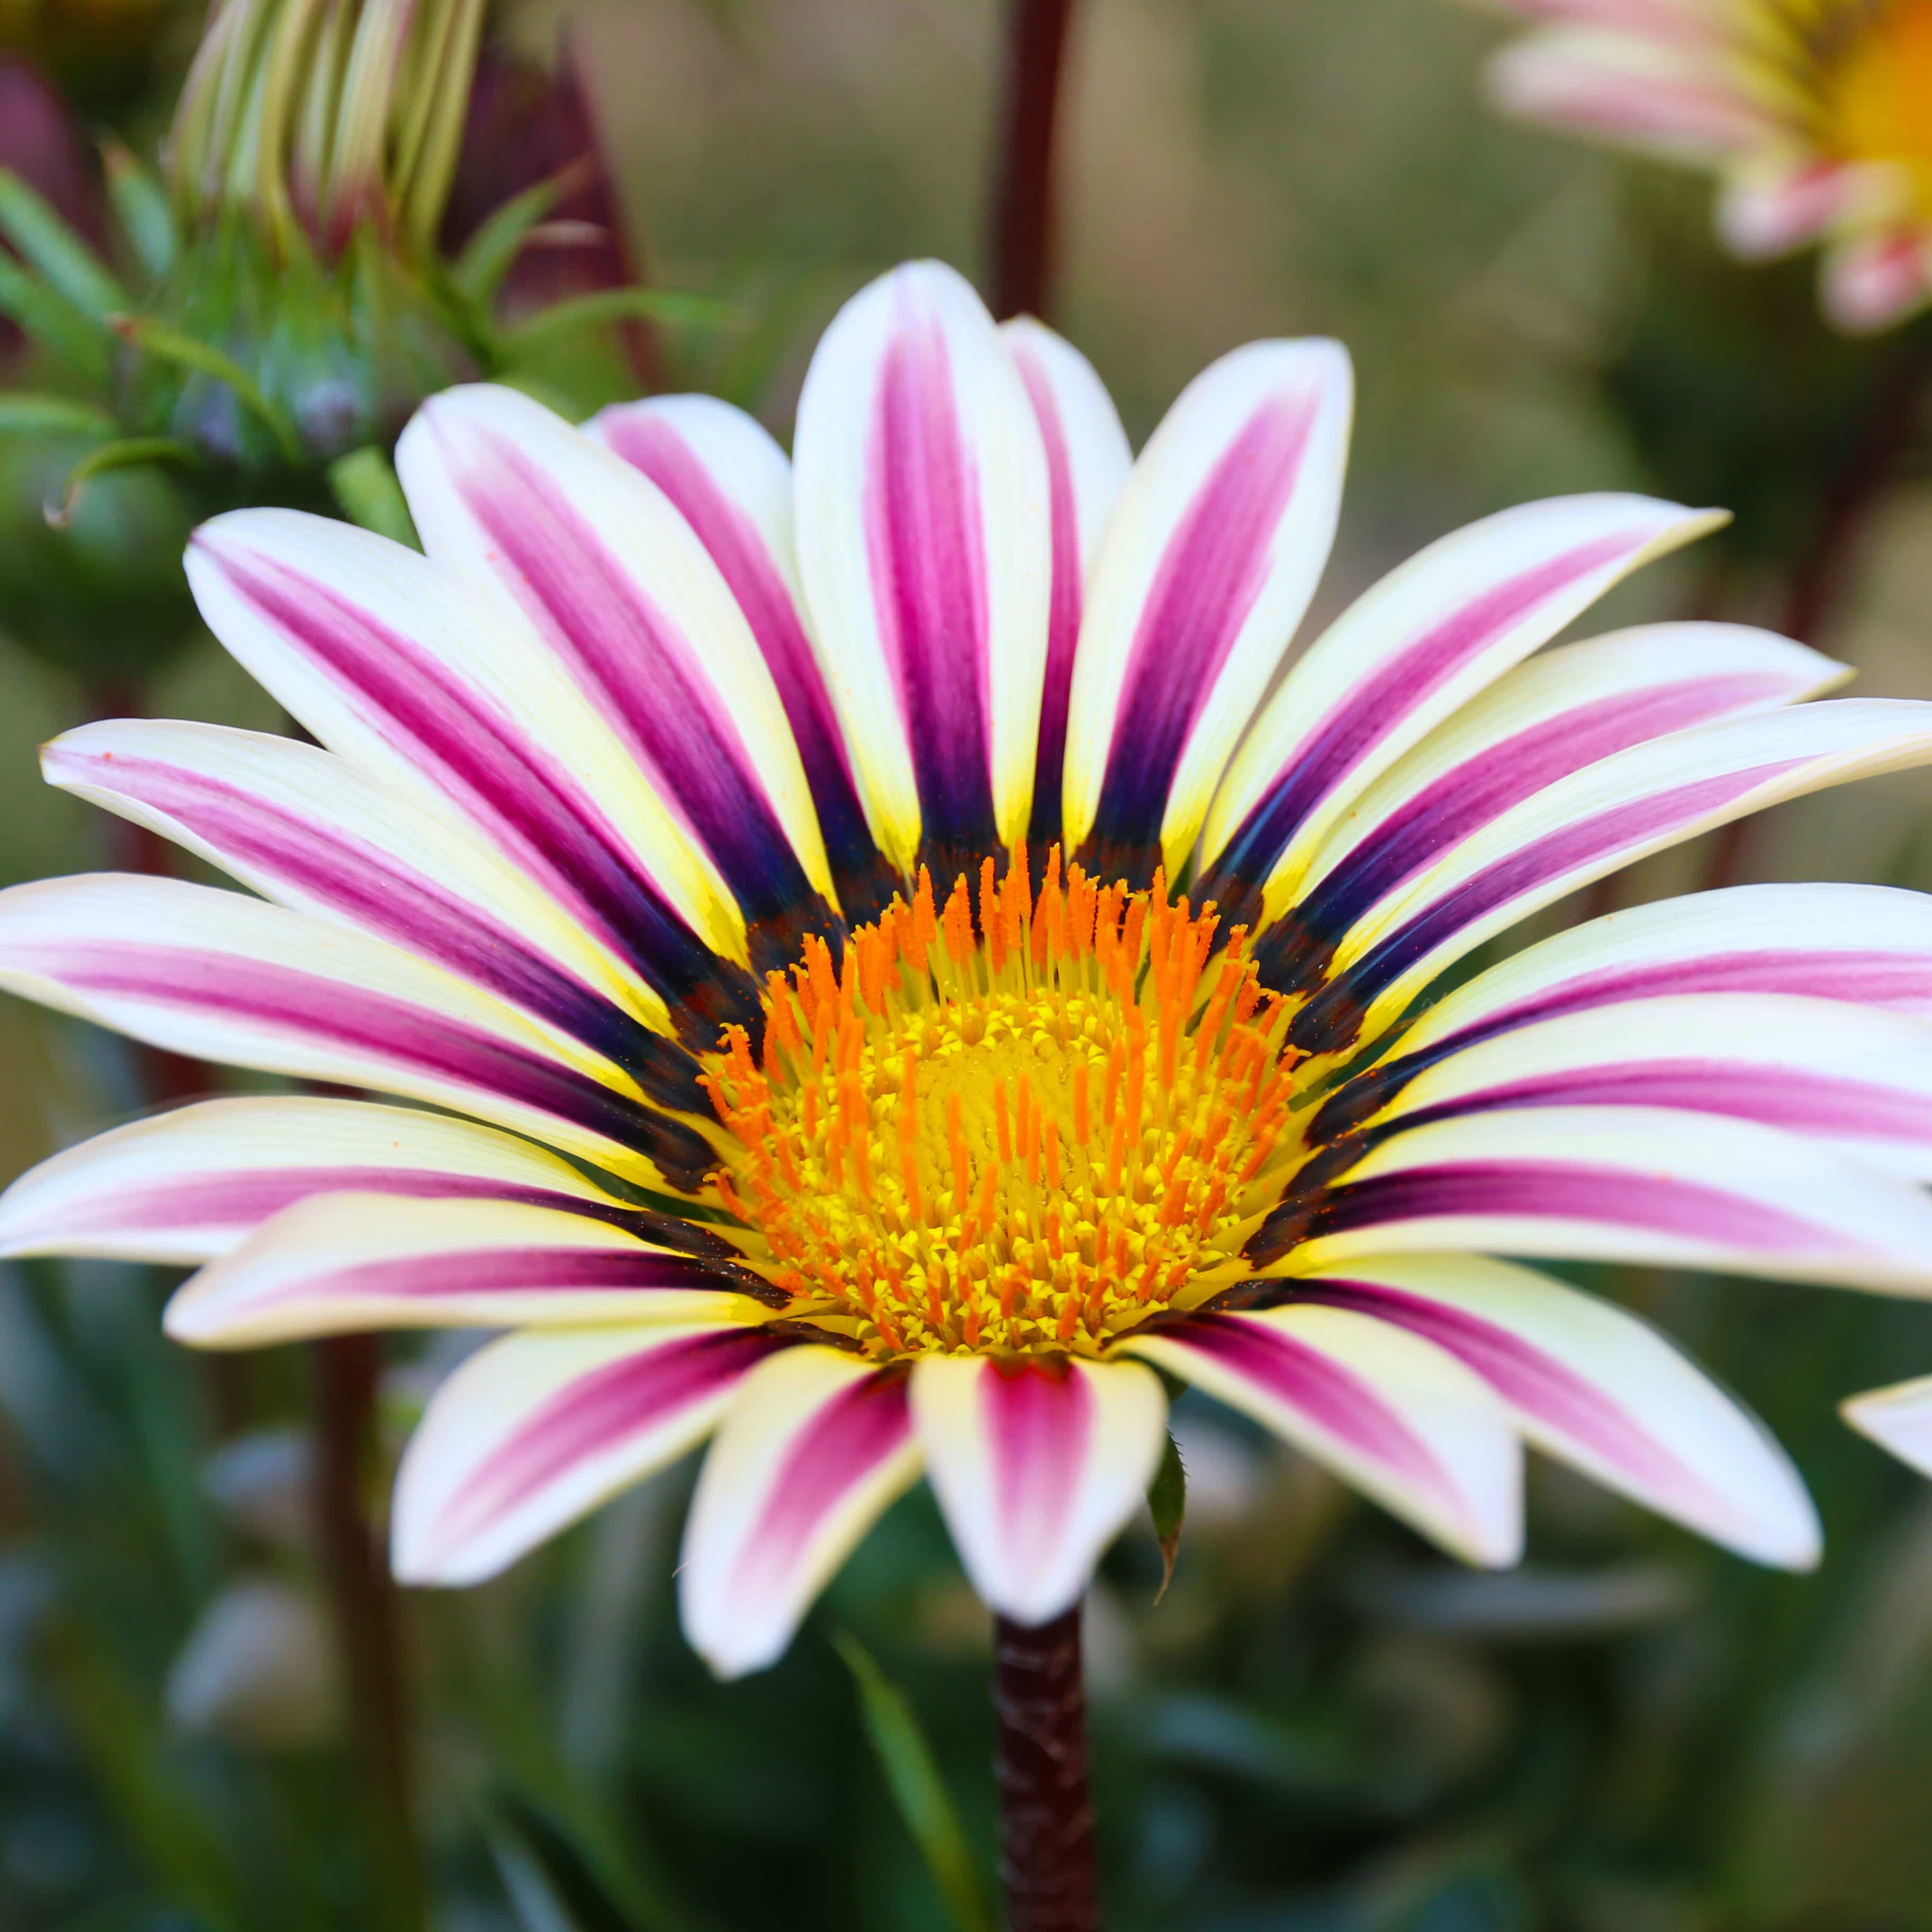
x: 1878, y: 454
x: 345, y: 1368
x: 1046, y: 1820
x: 1023, y: 230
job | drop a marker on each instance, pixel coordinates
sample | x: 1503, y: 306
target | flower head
x: 890, y: 985
x: 1818, y: 119
x: 285, y: 303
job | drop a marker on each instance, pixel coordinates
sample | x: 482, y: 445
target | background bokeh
x: 1324, y: 1726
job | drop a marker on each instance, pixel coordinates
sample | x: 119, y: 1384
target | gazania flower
x: 886, y: 993
x: 1817, y: 118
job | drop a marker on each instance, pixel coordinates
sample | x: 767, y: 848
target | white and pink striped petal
x: 924, y: 524
x: 1394, y: 1415
x: 1597, y: 821
x: 1898, y: 1418
x: 536, y: 1430
x: 343, y: 1264
x: 613, y: 583
x: 730, y: 480
x: 1772, y: 206
x: 1204, y: 571
x: 312, y: 831
x: 393, y: 662
x: 1088, y: 461
x: 222, y: 977
x: 1609, y: 1184
x: 1869, y: 281
x: 1867, y: 945
x: 194, y: 1183
x: 1405, y: 655
x: 1684, y: 102
x: 1598, y: 1389
x: 1037, y: 1464
x: 1564, y: 709
x: 1858, y: 1081
x: 816, y: 1445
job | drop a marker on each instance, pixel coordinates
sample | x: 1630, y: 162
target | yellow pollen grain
x: 1016, y: 1123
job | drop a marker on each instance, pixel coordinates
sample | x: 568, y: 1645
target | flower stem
x: 364, y: 1600
x: 1022, y: 237
x: 1886, y: 435
x: 1046, y: 1821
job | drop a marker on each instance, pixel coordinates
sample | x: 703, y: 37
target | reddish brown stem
x: 1023, y: 223
x: 346, y: 1368
x: 1046, y: 1820
x: 1884, y: 441
x: 643, y: 347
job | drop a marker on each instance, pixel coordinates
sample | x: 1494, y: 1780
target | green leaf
x: 62, y: 255
x: 168, y: 345
x: 917, y: 1788
x: 487, y: 257
x: 1167, y: 1498
x: 120, y: 1742
x: 142, y: 203
x: 53, y: 323
x: 129, y: 453
x: 365, y: 488
x: 28, y: 413
x: 609, y: 305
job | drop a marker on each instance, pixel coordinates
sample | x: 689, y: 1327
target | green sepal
x: 168, y: 345
x: 141, y: 203
x: 488, y: 255
x: 131, y: 452
x: 608, y: 305
x: 46, y: 242
x: 28, y: 412
x: 912, y: 1775
x: 50, y: 321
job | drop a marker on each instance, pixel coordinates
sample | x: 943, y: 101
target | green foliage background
x: 1324, y: 1727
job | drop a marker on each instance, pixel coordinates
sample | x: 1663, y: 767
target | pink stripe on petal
x: 1556, y: 1190
x: 1487, y: 783
x: 1592, y: 842
x: 1524, y: 1376
x: 630, y: 654
x: 861, y: 1428
x: 1779, y: 1097
x: 1378, y: 705
x: 311, y: 1007
x: 1037, y: 1420
x: 375, y: 888
x: 926, y: 549
x: 525, y: 798
x: 1899, y: 981
x: 653, y: 447
x: 591, y: 1417
x: 1340, y: 1403
x: 490, y: 1270
x: 1214, y: 567
x: 244, y: 1198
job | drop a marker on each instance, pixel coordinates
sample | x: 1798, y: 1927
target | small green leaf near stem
x: 1167, y: 1498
